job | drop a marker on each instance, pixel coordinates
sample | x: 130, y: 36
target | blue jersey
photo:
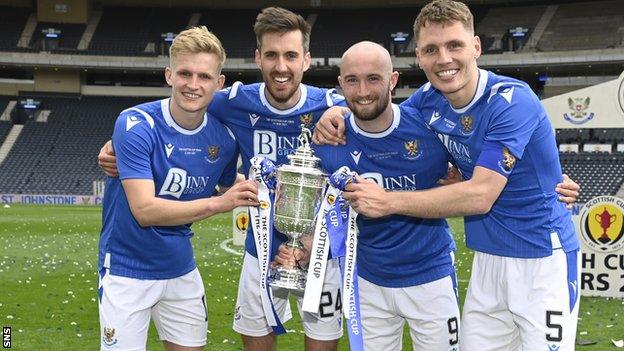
x: 184, y: 165
x: 397, y: 251
x: 505, y: 129
x: 263, y: 130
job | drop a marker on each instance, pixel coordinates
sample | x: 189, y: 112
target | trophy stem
x: 291, y: 278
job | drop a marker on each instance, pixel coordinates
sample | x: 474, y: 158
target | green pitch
x: 48, y: 283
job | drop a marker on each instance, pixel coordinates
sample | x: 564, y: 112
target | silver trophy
x: 299, y: 192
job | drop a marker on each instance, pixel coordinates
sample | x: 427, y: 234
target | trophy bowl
x: 299, y: 192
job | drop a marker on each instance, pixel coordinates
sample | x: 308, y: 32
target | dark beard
x: 379, y: 108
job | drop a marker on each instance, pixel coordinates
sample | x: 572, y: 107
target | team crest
x: 213, y: 153
x: 264, y: 205
x: 242, y: 221
x: 306, y: 119
x: 602, y: 223
x: 109, y: 336
x: 413, y: 150
x: 466, y: 124
x: 508, y: 162
x: 578, y: 114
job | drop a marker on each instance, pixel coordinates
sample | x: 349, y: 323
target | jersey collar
x: 483, y: 79
x: 164, y: 106
x: 396, y: 119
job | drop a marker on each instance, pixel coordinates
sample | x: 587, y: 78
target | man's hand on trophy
x: 367, y: 198
x: 107, y: 160
x: 330, y: 129
x: 288, y: 256
x: 568, y: 190
x: 244, y: 193
x: 453, y: 176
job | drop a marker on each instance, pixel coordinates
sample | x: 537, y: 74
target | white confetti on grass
x: 618, y: 343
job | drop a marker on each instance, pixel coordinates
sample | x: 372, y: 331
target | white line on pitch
x: 224, y: 246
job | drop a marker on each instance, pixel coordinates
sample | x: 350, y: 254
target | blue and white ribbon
x: 319, y: 253
x: 350, y: 297
x: 263, y: 171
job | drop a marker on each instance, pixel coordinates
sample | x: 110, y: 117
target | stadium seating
x: 5, y: 127
x: 234, y: 28
x: 583, y: 26
x: 597, y: 173
x: 59, y: 157
x: 495, y: 24
x: 126, y: 31
x: 12, y: 21
x: 336, y: 30
x: 585, y: 135
x: 68, y: 42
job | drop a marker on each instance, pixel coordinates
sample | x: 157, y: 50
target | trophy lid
x: 304, y: 155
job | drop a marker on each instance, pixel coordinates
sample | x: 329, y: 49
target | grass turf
x: 48, y: 283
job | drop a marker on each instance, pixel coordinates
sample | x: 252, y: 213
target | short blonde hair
x: 196, y: 40
x: 443, y: 11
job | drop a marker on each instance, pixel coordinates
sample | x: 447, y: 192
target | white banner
x: 45, y: 199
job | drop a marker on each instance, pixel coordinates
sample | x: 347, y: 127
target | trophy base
x: 288, y: 278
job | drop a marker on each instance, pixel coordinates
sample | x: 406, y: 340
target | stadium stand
x: 127, y: 31
x: 70, y: 36
x: 58, y: 157
x: 12, y: 21
x: 335, y: 30
x: 497, y: 21
x: 234, y: 28
x: 5, y: 126
x: 584, y: 26
x: 586, y: 135
x: 598, y: 173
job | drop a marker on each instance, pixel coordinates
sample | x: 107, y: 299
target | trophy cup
x: 299, y: 192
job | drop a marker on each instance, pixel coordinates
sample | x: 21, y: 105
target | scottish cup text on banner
x: 263, y: 171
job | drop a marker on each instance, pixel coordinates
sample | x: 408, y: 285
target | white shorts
x: 431, y: 310
x: 522, y: 304
x: 176, y: 305
x: 249, y: 316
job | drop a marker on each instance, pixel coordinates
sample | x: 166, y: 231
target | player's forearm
x: 460, y: 199
x: 162, y: 212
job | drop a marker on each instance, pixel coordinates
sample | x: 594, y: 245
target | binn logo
x: 265, y: 144
x: 175, y: 183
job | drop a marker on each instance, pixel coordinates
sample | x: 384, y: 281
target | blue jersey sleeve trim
x: 133, y: 147
x: 496, y: 157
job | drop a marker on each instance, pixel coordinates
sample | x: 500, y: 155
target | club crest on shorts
x: 507, y: 162
x: 466, y: 124
x: 213, y: 153
x: 601, y: 223
x: 412, y: 147
x: 109, y: 336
